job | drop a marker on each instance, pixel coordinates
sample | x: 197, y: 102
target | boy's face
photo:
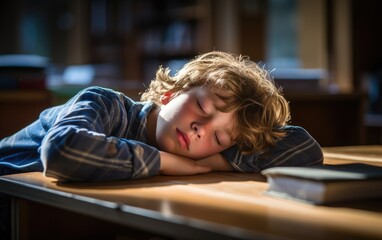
x: 190, y: 124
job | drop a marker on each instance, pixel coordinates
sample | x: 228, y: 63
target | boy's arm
x: 86, y: 141
x: 216, y: 163
x: 172, y: 164
x: 298, y: 148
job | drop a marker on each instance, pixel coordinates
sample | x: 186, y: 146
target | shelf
x: 155, y: 33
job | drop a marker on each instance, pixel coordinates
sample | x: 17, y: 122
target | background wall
x: 326, y: 54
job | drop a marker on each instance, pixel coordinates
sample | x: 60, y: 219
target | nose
x: 199, y: 129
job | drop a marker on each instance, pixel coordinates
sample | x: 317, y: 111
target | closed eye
x: 200, y: 107
x: 217, y: 139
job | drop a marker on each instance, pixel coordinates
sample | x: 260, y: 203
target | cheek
x: 175, y: 110
x: 205, y: 149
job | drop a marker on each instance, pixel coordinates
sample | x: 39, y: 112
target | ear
x: 165, y: 98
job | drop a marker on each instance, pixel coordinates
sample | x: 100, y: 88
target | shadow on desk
x: 158, y: 181
x: 178, y: 193
x: 372, y: 205
x: 200, y: 183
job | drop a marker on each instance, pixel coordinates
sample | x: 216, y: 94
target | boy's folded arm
x: 81, y: 144
x: 217, y: 163
x: 297, y: 148
x: 72, y: 154
x: 172, y: 164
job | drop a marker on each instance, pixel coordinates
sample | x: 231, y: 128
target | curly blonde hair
x: 260, y: 108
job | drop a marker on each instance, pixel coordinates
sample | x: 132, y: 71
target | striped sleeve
x: 85, y: 142
x: 298, y: 148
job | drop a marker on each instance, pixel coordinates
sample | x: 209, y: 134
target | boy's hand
x: 172, y: 164
x: 217, y: 163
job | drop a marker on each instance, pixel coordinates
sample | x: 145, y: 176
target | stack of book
x: 325, y: 184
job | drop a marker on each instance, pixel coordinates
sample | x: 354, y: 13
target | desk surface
x: 207, y: 206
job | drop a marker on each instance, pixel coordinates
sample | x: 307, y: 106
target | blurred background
x: 325, y: 54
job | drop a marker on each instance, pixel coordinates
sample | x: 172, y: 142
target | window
x: 296, y: 41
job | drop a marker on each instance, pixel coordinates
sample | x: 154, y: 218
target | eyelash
x: 204, y: 113
x: 200, y: 107
x: 217, y: 139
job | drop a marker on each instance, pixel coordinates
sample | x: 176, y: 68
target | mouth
x: 183, y: 139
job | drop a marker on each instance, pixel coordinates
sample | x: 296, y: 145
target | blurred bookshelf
x: 141, y: 35
x: 121, y: 43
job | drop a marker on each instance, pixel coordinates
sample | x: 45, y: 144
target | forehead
x: 210, y: 93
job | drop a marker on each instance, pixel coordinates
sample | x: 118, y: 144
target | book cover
x: 325, y: 184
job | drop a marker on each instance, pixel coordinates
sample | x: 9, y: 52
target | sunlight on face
x: 190, y: 124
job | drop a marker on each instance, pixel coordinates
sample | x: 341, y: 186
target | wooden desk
x: 206, y: 206
x: 370, y: 154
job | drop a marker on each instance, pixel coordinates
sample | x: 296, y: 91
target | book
x: 325, y: 184
x: 20, y: 71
